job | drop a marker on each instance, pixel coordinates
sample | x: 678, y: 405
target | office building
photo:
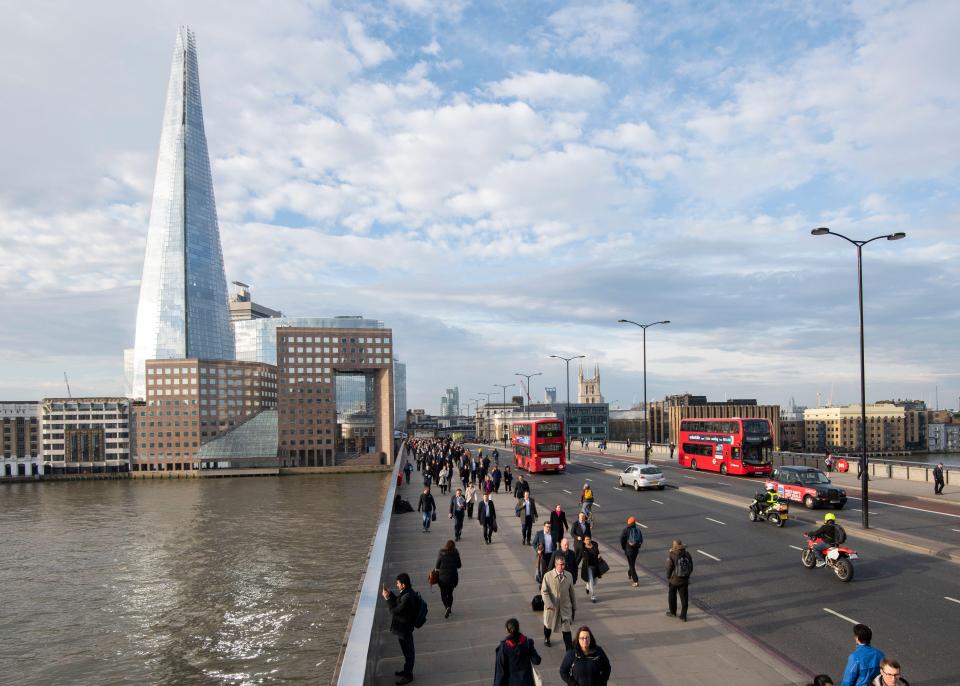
x: 550, y: 395
x: 182, y: 310
x: 85, y: 435
x: 19, y: 439
x: 450, y: 403
x: 257, y: 338
x: 943, y: 438
x: 242, y: 307
x: 838, y: 428
x: 399, y: 394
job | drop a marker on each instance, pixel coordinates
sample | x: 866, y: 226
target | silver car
x: 643, y: 476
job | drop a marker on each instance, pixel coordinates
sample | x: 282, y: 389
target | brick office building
x: 192, y: 402
x: 308, y: 362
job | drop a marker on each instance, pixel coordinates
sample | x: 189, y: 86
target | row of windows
x: 328, y: 339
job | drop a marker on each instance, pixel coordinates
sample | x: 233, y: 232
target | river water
x: 196, y: 581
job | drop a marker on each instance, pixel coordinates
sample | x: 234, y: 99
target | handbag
x: 433, y: 578
x: 602, y: 567
x: 433, y: 516
x: 494, y: 526
x: 537, y: 681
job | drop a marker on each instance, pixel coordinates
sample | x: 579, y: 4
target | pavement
x: 496, y: 582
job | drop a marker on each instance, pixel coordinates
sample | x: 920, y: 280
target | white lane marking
x: 708, y: 555
x: 946, y: 597
x: 605, y: 464
x: 692, y: 478
x: 656, y: 501
x: 567, y: 492
x: 545, y: 481
x: 796, y: 547
x: 711, y: 519
x: 596, y: 505
x: 642, y: 526
x: 617, y: 488
x: 589, y: 479
x: 907, y: 507
x: 843, y: 617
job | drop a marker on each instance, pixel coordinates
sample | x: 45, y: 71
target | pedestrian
x: 859, y: 467
x: 628, y: 444
x: 428, y: 507
x: 828, y: 462
x: 631, y: 538
x: 559, y: 603
x: 407, y: 471
x: 673, y: 446
x: 585, y: 664
x: 516, y: 657
x: 679, y: 569
x: 544, y: 543
x: 497, y: 475
x: 889, y: 674
x: 487, y: 484
x: 458, y: 508
x: 647, y: 450
x: 471, y: 496
x: 487, y: 516
x: 569, y: 558
x: 938, y: 479
x: 588, y: 559
x: 521, y: 488
x: 507, y: 478
x: 404, y: 608
x: 558, y: 522
x: 443, y: 480
x: 447, y: 564
x: 581, y: 528
x: 864, y: 662
x: 821, y: 680
x: 527, y: 512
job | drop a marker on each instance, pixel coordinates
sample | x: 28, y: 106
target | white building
x: 19, y: 439
x: 85, y: 435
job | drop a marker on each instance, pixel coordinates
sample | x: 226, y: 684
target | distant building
x: 943, y: 438
x: 588, y: 421
x: 242, y: 307
x: 85, y: 435
x: 792, y: 435
x: 399, y: 394
x: 588, y: 389
x: 20, y: 439
x: 666, y: 415
x: 838, y: 428
x: 550, y: 395
x: 450, y: 403
x: 257, y: 338
x: 626, y: 424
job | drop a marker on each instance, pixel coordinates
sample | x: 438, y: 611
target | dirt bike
x: 838, y: 558
x: 775, y: 513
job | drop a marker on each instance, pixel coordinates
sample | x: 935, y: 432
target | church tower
x: 588, y: 390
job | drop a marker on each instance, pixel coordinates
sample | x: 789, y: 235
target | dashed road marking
x: 946, y: 597
x: 917, y: 509
x: 796, y: 547
x: 589, y: 479
x: 642, y: 526
x: 843, y: 617
x: 656, y: 501
x: 711, y: 519
x: 605, y: 464
x: 957, y: 530
x: 692, y: 478
x: 709, y: 555
x: 545, y: 481
x: 617, y: 488
x: 567, y: 492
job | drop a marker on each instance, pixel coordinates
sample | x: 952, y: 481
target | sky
x: 502, y: 181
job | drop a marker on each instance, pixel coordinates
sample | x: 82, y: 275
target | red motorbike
x: 838, y: 558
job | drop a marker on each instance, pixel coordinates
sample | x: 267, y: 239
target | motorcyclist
x: 764, y: 499
x: 828, y: 534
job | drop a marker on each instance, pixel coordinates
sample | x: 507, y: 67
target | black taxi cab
x: 807, y: 485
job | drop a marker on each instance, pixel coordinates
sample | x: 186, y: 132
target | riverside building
x: 838, y: 428
x: 85, y: 435
x: 19, y: 439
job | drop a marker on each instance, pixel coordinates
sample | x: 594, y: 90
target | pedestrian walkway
x: 496, y: 583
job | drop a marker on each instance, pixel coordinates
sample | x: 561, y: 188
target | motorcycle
x: 775, y: 513
x: 838, y: 558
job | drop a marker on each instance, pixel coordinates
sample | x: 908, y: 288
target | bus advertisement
x: 538, y: 445
x: 730, y: 445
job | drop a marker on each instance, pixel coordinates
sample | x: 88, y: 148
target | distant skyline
x: 502, y: 182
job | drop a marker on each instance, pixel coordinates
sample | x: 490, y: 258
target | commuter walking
x: 559, y: 603
x: 521, y: 488
x: 585, y: 664
x: 631, y: 538
x: 471, y: 496
x: 443, y: 481
x: 516, y: 657
x: 889, y: 674
x: 487, y: 516
x: 828, y: 462
x: 628, y: 444
x: 428, y: 507
x: 404, y: 608
x: 558, y: 522
x: 679, y: 569
x: 589, y: 563
x: 864, y: 662
x: 507, y: 478
x: 527, y: 512
x: 447, y: 564
x: 569, y: 557
x: 581, y: 529
x: 407, y: 471
x: 544, y: 543
x: 497, y: 476
x: 673, y: 446
x: 938, y: 481
x: 458, y: 508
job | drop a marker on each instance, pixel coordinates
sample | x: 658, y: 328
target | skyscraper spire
x: 183, y: 310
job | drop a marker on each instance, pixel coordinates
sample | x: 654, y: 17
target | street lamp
x: 528, y: 377
x: 486, y: 430
x: 646, y: 409
x: 504, y: 408
x: 566, y: 409
x: 823, y: 231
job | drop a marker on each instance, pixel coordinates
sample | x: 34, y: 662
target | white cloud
x: 549, y: 87
x: 371, y: 52
x: 591, y: 31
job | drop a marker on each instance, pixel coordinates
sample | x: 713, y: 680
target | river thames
x: 195, y: 581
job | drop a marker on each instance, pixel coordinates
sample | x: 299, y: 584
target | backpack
x: 635, y: 537
x: 684, y: 566
x: 421, y: 613
x: 841, y: 535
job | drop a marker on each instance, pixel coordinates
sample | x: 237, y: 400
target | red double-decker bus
x: 538, y: 445
x: 730, y: 445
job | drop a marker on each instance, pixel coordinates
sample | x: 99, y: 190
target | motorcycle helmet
x: 771, y: 489
x: 829, y: 517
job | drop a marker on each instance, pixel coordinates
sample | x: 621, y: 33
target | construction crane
x: 67, y: 381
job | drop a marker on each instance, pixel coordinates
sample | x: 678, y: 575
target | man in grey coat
x: 559, y: 603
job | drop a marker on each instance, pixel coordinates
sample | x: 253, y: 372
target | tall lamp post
x: 504, y: 408
x: 566, y: 409
x: 824, y: 231
x: 646, y: 408
x: 528, y: 377
x: 486, y: 428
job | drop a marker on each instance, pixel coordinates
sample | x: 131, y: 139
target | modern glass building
x: 183, y: 310
x: 399, y: 394
x: 256, y: 339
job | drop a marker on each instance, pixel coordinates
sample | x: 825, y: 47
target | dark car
x: 807, y: 485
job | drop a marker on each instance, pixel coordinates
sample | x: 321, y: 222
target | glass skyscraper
x: 183, y: 310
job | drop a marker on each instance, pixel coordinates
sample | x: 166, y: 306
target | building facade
x: 257, y: 338
x: 732, y: 408
x: 309, y: 360
x: 85, y: 435
x: 192, y: 402
x: 588, y: 389
x: 20, y: 439
x: 399, y: 394
x: 450, y: 403
x: 839, y: 428
x: 943, y: 438
x: 242, y: 307
x: 182, y: 310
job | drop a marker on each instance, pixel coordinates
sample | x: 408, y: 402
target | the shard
x: 183, y: 310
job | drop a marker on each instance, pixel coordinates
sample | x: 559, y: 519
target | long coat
x: 559, y: 601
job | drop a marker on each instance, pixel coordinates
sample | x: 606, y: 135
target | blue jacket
x: 862, y: 666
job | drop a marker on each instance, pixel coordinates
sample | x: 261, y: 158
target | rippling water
x: 197, y: 581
